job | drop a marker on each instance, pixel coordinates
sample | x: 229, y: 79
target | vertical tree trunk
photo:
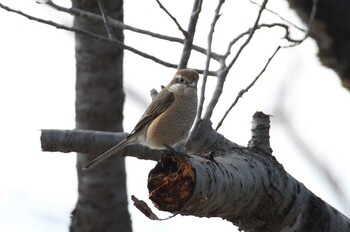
x: 102, y: 202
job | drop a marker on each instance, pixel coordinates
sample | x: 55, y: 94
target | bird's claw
x: 172, y: 152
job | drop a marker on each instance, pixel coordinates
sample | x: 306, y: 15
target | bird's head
x: 183, y: 79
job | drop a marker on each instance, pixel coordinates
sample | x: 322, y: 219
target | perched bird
x: 168, y: 118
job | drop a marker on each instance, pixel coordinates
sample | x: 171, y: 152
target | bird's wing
x: 106, y: 155
x: 159, y: 104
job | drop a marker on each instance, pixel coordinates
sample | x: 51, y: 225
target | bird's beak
x: 192, y: 85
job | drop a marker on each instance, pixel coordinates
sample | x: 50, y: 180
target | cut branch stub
x: 260, y: 132
x: 209, y: 187
x: 170, y: 183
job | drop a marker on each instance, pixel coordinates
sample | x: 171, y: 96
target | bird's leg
x: 172, y: 151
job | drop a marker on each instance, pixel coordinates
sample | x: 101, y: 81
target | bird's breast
x: 173, y: 125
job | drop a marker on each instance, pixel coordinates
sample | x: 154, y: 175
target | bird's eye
x: 181, y: 80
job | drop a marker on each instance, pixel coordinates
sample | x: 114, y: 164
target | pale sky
x: 39, y: 190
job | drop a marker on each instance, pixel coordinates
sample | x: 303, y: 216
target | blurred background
x: 309, y: 127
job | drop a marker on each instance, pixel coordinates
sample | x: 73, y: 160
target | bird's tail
x: 114, y: 150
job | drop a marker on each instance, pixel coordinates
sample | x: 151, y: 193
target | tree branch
x: 207, y: 62
x: 250, y: 36
x: 187, y: 48
x: 105, y: 19
x: 185, y: 34
x: 246, y: 186
x: 260, y: 132
x: 100, y: 38
x: 279, y: 16
x: 243, y: 91
x: 222, y: 74
x: 91, y: 142
x: 92, y: 35
x: 120, y: 25
x: 310, y: 22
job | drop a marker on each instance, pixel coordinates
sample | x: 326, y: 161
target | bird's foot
x: 171, y: 151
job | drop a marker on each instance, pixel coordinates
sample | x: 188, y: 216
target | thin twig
x: 100, y: 38
x: 311, y: 20
x: 279, y: 16
x: 105, y: 18
x: 207, y: 63
x: 222, y: 74
x: 120, y: 25
x: 240, y: 36
x: 187, y: 48
x: 250, y: 36
x: 243, y: 91
x: 183, y: 31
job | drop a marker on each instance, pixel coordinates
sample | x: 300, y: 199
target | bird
x: 166, y: 121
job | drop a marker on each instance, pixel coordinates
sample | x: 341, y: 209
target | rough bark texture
x: 102, y: 202
x: 246, y: 186
x: 331, y: 30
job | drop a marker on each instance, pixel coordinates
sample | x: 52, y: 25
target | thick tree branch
x: 91, y: 142
x: 246, y: 186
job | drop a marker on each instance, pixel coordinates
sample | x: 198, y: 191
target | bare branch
x: 120, y: 25
x: 250, y: 36
x: 186, y: 52
x: 222, y: 74
x: 243, y: 91
x: 279, y: 16
x: 105, y: 18
x: 260, y: 26
x: 92, y: 142
x: 184, y: 32
x: 207, y: 63
x: 100, y: 38
x: 311, y: 20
